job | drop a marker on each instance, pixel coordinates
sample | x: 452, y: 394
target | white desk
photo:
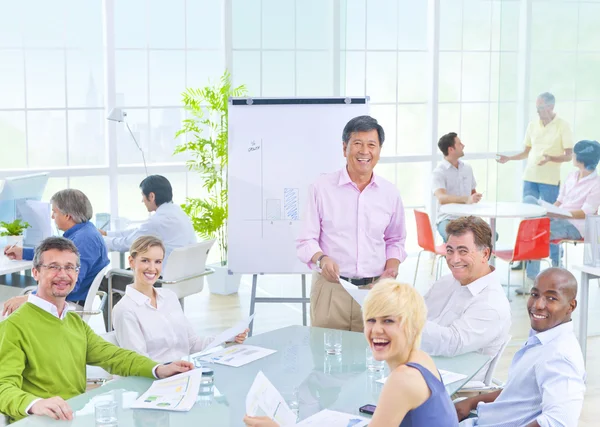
x: 493, y: 211
x: 587, y: 273
x: 9, y: 267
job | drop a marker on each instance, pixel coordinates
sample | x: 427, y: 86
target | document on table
x: 550, y: 208
x: 230, y: 333
x: 334, y: 419
x: 237, y: 355
x: 176, y: 393
x: 447, y: 377
x: 263, y: 399
x: 359, y: 295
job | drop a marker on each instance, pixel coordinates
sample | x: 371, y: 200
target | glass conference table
x: 321, y: 381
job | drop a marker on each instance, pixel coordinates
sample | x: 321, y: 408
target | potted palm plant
x: 206, y: 133
x: 13, y: 231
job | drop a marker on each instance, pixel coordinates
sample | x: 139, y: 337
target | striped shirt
x: 546, y: 383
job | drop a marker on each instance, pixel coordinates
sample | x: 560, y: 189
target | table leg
x: 493, y: 227
x: 583, y: 315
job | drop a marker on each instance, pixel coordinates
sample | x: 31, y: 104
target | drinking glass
x: 333, y: 341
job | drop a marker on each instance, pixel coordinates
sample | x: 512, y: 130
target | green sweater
x: 42, y: 356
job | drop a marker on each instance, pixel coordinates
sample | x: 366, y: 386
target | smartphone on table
x: 367, y: 409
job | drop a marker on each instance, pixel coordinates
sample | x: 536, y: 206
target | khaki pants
x: 332, y: 307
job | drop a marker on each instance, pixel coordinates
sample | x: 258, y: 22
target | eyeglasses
x: 55, y: 268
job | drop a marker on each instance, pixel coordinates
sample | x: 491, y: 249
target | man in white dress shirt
x: 546, y: 380
x: 453, y: 179
x: 467, y: 310
x: 169, y: 223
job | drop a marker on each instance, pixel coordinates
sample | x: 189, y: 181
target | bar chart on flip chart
x: 276, y: 151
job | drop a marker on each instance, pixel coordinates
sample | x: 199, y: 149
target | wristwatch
x: 319, y: 260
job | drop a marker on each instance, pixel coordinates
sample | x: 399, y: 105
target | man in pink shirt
x: 580, y: 195
x: 353, y: 229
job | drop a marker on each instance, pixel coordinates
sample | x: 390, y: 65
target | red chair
x: 532, y: 244
x: 427, y: 241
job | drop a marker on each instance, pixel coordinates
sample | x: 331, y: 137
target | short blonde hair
x: 143, y: 243
x: 392, y: 298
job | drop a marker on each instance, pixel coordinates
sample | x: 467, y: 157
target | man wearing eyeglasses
x: 44, y: 349
x: 71, y: 211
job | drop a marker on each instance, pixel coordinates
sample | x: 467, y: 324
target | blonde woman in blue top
x: 394, y: 315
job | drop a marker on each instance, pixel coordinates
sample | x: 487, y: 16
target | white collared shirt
x: 163, y: 333
x: 460, y: 319
x: 169, y: 223
x: 48, y: 306
x: 546, y: 383
x: 456, y: 181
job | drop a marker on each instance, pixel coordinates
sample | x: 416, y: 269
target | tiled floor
x: 212, y: 313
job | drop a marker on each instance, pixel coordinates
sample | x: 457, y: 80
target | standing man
x: 453, y: 180
x: 467, y: 309
x: 548, y: 143
x: 354, y: 229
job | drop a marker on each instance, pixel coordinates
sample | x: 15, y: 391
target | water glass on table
x: 333, y: 341
x: 290, y: 395
x: 373, y: 365
x: 106, y: 413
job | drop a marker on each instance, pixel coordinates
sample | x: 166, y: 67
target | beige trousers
x: 332, y: 307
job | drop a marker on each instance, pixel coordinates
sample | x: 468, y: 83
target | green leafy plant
x: 206, y: 132
x: 14, y: 228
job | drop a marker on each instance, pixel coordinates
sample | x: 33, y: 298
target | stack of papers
x: 176, y: 393
x: 334, y: 419
x: 447, y: 377
x: 237, y: 355
x: 263, y: 399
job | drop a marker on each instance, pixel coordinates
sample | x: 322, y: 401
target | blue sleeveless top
x: 436, y: 411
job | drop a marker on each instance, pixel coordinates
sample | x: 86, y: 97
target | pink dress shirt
x: 583, y: 194
x: 358, y: 230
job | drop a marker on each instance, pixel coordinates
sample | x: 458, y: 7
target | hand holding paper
x: 264, y: 399
x: 230, y: 333
x: 359, y: 295
x: 553, y: 209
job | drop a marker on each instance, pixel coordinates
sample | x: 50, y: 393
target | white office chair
x: 93, y: 292
x: 184, y: 275
x: 489, y: 383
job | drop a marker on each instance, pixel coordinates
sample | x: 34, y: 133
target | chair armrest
x: 206, y: 272
x: 103, y: 298
x: 86, y: 312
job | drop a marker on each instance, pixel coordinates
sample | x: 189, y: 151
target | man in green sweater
x: 44, y: 349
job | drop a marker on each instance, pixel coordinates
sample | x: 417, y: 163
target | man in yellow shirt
x: 548, y: 143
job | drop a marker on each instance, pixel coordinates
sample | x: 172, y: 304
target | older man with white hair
x: 71, y: 212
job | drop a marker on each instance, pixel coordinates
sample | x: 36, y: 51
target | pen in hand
x: 8, y: 249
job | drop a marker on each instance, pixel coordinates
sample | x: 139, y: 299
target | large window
x: 64, y: 67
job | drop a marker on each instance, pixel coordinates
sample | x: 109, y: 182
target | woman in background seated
x: 580, y: 195
x: 413, y: 395
x: 150, y: 320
